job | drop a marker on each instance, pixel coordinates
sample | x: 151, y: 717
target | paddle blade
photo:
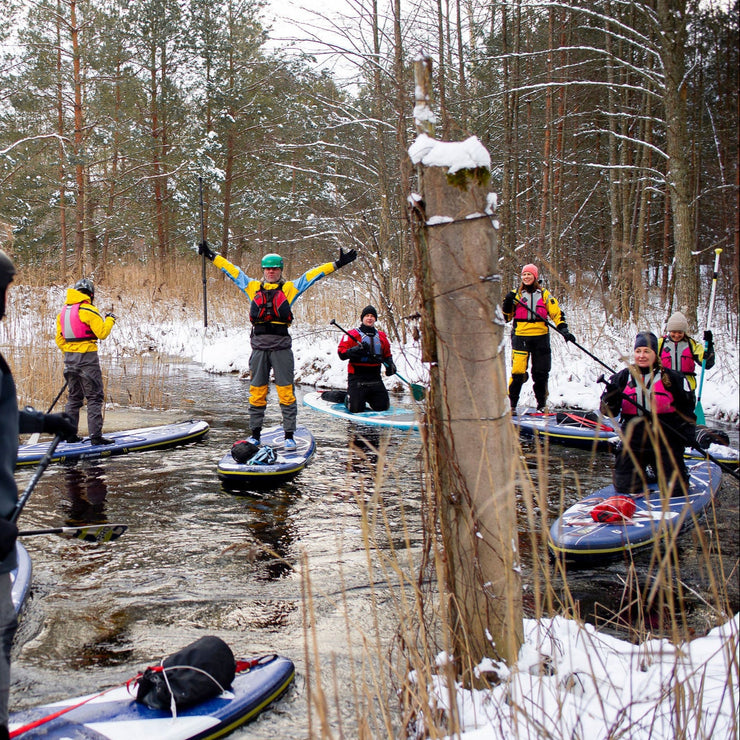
x: 699, y: 411
x: 417, y: 391
x: 95, y: 533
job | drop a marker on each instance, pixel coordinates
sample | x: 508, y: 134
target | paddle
x: 203, y: 241
x: 417, y: 391
x: 86, y: 532
x: 40, y: 468
x: 687, y: 442
x: 699, y: 409
x: 34, y: 438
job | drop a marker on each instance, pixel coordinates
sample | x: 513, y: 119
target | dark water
x: 198, y: 560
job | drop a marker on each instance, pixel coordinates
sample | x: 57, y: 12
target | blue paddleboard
x: 133, y: 440
x: 114, y: 714
x: 395, y: 417
x: 576, y: 535
x: 287, y: 463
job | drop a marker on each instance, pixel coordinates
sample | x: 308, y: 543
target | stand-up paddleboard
x: 287, y: 464
x: 133, y: 440
x: 575, y: 535
x: 20, y: 577
x: 114, y: 714
x: 395, y: 417
x: 588, y: 430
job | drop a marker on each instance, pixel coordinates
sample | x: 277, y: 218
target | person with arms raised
x: 271, y: 300
x: 12, y: 423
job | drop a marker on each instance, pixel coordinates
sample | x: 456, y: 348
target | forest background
x: 612, y: 128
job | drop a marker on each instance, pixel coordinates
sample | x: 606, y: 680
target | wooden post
x: 469, y: 439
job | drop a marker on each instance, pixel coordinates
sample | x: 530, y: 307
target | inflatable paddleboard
x: 20, y: 577
x: 286, y: 465
x: 395, y: 417
x: 588, y: 430
x: 576, y: 535
x: 133, y: 440
x: 114, y: 714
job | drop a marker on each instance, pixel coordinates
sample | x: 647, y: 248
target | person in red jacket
x: 656, y: 412
x: 367, y: 350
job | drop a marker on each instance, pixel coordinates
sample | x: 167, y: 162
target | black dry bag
x: 198, y: 672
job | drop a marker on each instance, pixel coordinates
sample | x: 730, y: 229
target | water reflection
x: 85, y: 493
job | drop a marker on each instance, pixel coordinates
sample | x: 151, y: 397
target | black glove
x: 356, y: 353
x: 203, y: 248
x: 60, y: 425
x: 110, y: 315
x: 8, y: 534
x: 390, y: 367
x: 708, y: 336
x: 508, y: 305
x: 563, y: 329
x: 345, y: 257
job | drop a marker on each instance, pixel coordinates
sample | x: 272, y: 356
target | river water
x: 198, y: 559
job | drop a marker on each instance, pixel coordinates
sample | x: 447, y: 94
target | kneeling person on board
x: 367, y: 349
x: 271, y: 299
x: 79, y: 327
x: 679, y: 351
x: 656, y: 413
x: 12, y: 423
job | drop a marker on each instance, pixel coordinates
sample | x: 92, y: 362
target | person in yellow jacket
x: 270, y: 312
x: 79, y: 327
x: 531, y: 308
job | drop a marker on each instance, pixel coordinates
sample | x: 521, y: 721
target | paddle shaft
x: 35, y: 436
x: 202, y: 239
x: 89, y: 532
x: 40, y: 468
x: 687, y: 442
x: 537, y: 317
x: 717, y: 253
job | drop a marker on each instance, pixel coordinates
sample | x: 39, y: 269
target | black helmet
x: 7, y: 269
x: 85, y: 286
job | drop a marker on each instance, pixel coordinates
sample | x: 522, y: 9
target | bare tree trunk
x: 78, y: 140
x: 62, y: 151
x: 469, y: 437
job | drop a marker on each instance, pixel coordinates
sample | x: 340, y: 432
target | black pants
x: 523, y: 350
x: 361, y: 391
x: 639, y: 452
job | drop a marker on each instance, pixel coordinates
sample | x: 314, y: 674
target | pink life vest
x: 678, y: 355
x: 536, y: 303
x: 639, y: 398
x: 74, y: 329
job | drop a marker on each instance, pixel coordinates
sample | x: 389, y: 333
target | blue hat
x: 647, y: 339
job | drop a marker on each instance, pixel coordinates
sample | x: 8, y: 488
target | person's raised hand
x: 345, y: 257
x: 204, y: 249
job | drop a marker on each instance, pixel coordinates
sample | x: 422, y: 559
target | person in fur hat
x: 655, y: 408
x: 679, y: 351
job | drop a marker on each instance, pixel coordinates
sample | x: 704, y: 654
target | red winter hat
x: 533, y: 269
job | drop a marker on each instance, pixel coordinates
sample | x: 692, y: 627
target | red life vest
x: 646, y: 396
x: 535, y: 301
x: 74, y: 329
x: 270, y: 305
x: 678, y: 355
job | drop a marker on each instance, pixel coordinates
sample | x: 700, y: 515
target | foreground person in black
x: 656, y: 412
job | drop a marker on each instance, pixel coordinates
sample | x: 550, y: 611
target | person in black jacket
x: 12, y: 423
x: 656, y: 412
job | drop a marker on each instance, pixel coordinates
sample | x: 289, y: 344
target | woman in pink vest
x: 655, y: 408
x: 679, y: 351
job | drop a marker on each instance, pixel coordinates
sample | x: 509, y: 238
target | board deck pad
x: 114, y: 714
x: 396, y: 417
x: 587, y: 430
x: 286, y: 466
x: 133, y: 440
x: 576, y: 535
